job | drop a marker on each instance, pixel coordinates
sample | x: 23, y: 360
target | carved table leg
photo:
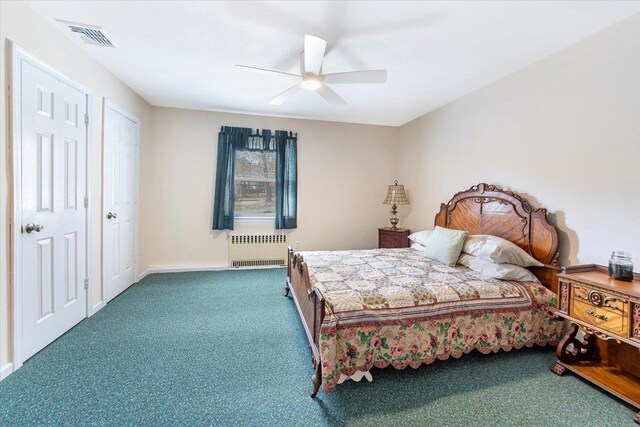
x: 286, y: 289
x: 316, y: 379
x: 558, y: 369
x: 581, y: 348
x: 637, y: 418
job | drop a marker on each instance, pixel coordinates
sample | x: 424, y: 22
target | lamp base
x: 394, y: 218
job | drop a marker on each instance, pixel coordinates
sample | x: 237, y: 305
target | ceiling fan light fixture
x: 311, y: 83
x: 311, y: 77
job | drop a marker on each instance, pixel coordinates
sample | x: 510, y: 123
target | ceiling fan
x: 311, y: 77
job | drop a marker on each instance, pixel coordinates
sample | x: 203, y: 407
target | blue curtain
x: 232, y: 139
x: 229, y: 139
x: 286, y: 179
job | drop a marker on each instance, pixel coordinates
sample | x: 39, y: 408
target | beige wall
x: 343, y: 173
x: 20, y: 24
x: 565, y: 132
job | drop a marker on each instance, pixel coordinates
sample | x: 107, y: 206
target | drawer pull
x: 597, y: 316
x: 609, y: 300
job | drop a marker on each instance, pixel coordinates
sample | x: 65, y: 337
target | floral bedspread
x: 397, y: 307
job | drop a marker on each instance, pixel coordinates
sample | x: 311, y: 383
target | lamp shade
x: 396, y: 195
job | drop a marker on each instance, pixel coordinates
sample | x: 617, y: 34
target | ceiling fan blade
x: 302, y: 63
x: 280, y: 99
x: 370, y: 76
x: 266, y: 71
x: 314, y: 48
x: 331, y: 97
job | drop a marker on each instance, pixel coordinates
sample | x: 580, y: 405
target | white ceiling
x: 181, y: 54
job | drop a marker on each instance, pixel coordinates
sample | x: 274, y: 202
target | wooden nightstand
x: 607, y: 311
x: 388, y: 238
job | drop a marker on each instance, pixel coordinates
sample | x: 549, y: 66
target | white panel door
x: 120, y: 200
x: 53, y: 183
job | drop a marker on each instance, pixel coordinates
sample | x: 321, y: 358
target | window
x: 249, y: 186
x: 255, y: 185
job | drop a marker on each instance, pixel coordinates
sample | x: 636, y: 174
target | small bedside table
x: 388, y: 238
x: 607, y: 311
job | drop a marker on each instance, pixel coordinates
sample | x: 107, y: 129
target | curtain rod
x: 257, y: 131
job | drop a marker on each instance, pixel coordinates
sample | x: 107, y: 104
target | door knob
x: 29, y: 228
x: 112, y: 215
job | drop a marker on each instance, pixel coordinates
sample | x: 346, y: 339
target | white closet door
x: 120, y: 199
x: 53, y: 179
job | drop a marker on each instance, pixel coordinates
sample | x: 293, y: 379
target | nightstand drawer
x: 597, y: 316
x: 601, y: 300
x: 388, y: 238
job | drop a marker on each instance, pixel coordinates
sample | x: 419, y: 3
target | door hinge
x: 86, y: 119
x: 86, y: 283
x: 86, y: 202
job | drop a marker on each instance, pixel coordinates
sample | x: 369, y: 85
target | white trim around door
x: 18, y: 57
x: 109, y: 105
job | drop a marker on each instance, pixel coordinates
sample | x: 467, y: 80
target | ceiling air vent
x: 89, y: 34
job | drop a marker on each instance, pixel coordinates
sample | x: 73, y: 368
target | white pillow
x: 417, y: 247
x: 421, y: 237
x: 498, y: 250
x: 497, y: 271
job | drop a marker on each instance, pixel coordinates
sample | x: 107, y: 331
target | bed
x: 395, y: 307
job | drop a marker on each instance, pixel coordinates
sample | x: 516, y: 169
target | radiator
x: 256, y: 250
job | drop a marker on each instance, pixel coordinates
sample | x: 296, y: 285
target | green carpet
x: 226, y: 348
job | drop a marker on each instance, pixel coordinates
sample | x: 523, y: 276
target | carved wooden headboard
x: 488, y: 209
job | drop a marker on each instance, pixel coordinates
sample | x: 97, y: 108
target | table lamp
x: 395, y: 196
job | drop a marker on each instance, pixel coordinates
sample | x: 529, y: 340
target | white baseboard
x: 154, y: 269
x: 6, y: 371
x: 143, y: 275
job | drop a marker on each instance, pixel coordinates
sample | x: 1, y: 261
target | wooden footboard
x: 311, y: 309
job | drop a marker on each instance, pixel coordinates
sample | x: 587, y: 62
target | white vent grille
x: 257, y: 250
x: 89, y: 34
